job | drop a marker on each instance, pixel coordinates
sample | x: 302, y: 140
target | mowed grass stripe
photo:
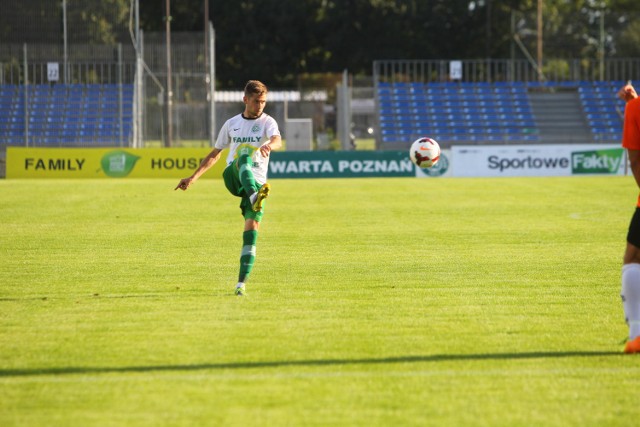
x: 377, y: 301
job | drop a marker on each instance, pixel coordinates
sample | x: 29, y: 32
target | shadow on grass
x: 169, y: 294
x: 305, y: 363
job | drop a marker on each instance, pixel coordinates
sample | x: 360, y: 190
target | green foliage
x: 557, y: 67
x: 376, y: 302
x: 629, y: 43
x: 279, y: 40
x: 89, y: 21
x: 103, y: 22
x: 288, y: 38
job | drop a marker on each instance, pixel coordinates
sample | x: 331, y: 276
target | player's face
x: 254, y: 105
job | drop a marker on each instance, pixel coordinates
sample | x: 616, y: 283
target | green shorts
x: 231, y: 177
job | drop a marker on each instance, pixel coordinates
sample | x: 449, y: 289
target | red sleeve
x: 631, y: 130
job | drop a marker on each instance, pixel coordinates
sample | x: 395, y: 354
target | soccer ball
x: 425, y: 152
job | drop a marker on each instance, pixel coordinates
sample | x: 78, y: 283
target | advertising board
x: 537, y: 160
x: 343, y: 164
x: 106, y: 162
x: 181, y: 162
x: 459, y: 161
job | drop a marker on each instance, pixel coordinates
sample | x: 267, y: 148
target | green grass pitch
x: 373, y: 302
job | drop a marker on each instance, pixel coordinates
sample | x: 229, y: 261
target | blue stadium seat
x: 457, y: 111
x: 60, y: 114
x: 602, y: 108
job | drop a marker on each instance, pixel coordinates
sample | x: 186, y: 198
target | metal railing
x: 554, y: 71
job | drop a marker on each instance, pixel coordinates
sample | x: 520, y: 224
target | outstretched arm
x: 205, y: 165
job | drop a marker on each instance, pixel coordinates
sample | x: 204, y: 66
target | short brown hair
x: 255, y: 87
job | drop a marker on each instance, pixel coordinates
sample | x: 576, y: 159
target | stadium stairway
x: 559, y: 117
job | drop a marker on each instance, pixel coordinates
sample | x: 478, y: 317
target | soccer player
x: 250, y: 137
x: 630, y: 292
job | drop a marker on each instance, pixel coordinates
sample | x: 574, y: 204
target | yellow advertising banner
x: 108, y: 162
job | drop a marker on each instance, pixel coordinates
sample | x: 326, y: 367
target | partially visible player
x: 250, y: 137
x: 630, y: 292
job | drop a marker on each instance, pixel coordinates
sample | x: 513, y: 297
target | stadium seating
x: 63, y: 115
x: 482, y: 112
x: 603, y: 110
x: 455, y: 112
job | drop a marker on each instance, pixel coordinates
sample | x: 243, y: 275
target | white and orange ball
x: 425, y: 152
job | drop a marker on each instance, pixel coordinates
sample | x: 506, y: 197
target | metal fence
x: 89, y: 64
x: 558, y: 71
x: 27, y: 66
x: 32, y: 65
x: 190, y: 100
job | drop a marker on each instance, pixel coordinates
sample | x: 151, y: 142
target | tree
x: 268, y: 39
x: 279, y: 40
x: 98, y: 22
x: 41, y: 21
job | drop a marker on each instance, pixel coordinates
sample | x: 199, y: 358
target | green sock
x: 248, y: 255
x: 246, y: 175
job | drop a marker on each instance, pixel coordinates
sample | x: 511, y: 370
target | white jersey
x: 239, y: 133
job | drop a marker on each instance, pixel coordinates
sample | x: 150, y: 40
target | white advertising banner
x: 537, y: 160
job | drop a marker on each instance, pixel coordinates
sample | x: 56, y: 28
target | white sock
x: 630, y: 294
x: 253, y: 197
x: 240, y: 284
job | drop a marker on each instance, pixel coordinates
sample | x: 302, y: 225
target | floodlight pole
x: 138, y: 137
x: 169, y: 89
x: 207, y: 74
x: 206, y: 55
x: 344, y: 112
x: 26, y: 95
x: 601, y: 43
x: 65, y: 42
x: 212, y: 84
x: 488, y: 40
x: 539, y: 23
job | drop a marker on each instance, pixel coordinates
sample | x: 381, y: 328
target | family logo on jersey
x: 245, y: 139
x: 607, y: 161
